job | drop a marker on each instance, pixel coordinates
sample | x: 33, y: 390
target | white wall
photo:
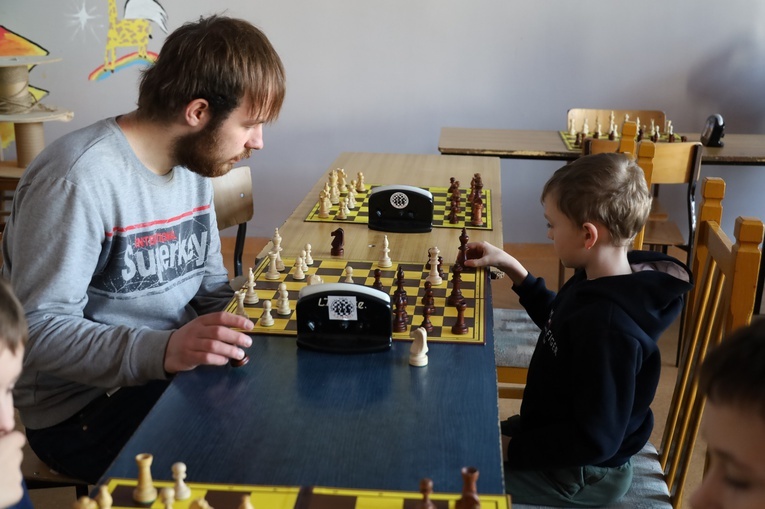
x: 386, y: 76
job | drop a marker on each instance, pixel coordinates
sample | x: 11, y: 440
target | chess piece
x: 144, y: 493
x: 460, y: 327
x: 338, y: 242
x: 251, y: 296
x: 571, y: 127
x: 469, y: 499
x: 200, y: 503
x: 342, y: 212
x: 426, y: 324
x: 341, y: 177
x: 240, y: 303
x: 462, y: 254
x: 182, y: 491
x: 168, y: 497
x: 348, y: 274
x: 315, y: 279
x: 400, y: 316
x: 456, y: 296
x: 360, y: 187
x: 434, y: 277
x: 277, y: 241
x: 477, y: 217
x: 304, y: 264
x: 273, y: 272
x: 104, y: 498
x: 308, y: 258
x: 377, y: 285
x: 246, y: 503
x: 323, y: 207
x: 426, y: 488
x: 351, y: 199
x: 85, y: 503
x: 298, y: 274
x: 283, y: 303
x: 266, y: 320
x: 385, y: 260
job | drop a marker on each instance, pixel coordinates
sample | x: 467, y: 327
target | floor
x: 540, y: 260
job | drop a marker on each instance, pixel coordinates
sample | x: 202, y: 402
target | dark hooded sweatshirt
x: 596, y: 365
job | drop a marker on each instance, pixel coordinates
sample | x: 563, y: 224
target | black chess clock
x: 343, y: 318
x: 713, y: 132
x: 401, y: 209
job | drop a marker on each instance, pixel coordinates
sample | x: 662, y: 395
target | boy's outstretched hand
x: 482, y: 254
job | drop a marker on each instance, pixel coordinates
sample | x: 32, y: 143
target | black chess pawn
x: 377, y: 285
x: 426, y: 323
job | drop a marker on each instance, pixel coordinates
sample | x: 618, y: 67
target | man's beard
x: 199, y: 153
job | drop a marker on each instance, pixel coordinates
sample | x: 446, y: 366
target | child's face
x: 568, y: 239
x: 736, y: 446
x: 10, y: 369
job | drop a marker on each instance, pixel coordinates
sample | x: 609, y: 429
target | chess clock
x: 343, y: 318
x: 713, y: 131
x: 401, y: 209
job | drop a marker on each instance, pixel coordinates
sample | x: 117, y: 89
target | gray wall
x: 386, y: 76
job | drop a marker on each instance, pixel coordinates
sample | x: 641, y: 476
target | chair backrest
x: 721, y: 301
x: 674, y: 163
x: 233, y: 206
x: 233, y: 197
x: 595, y: 116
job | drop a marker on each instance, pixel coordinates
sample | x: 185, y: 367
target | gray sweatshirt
x: 108, y: 260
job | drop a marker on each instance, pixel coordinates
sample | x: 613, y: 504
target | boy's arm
x: 603, y: 386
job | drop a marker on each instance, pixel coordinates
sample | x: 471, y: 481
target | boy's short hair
x: 734, y: 372
x: 219, y: 59
x: 13, y: 323
x: 606, y: 188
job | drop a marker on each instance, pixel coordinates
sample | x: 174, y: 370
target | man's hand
x: 10, y: 468
x: 207, y: 339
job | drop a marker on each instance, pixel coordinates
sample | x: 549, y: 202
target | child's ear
x: 590, y: 235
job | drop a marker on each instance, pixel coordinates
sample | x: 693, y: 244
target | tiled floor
x: 541, y: 261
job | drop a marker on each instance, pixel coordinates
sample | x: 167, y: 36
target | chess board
x: 229, y: 496
x: 569, y: 140
x: 441, y: 207
x: 473, y: 288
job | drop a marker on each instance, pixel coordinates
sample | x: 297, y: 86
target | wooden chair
x: 234, y: 207
x: 721, y: 301
x: 595, y: 116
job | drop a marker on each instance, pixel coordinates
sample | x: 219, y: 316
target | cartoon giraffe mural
x: 125, y: 33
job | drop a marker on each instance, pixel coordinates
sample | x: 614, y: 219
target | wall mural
x: 16, y: 45
x: 133, y: 30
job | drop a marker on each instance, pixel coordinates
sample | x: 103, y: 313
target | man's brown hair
x: 222, y: 60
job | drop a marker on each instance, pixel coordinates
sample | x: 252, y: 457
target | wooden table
x: 293, y: 417
x: 739, y: 149
x: 361, y: 243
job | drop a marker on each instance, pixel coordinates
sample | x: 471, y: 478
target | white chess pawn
x: 266, y: 320
x: 360, y: 187
x: 104, y: 498
x: 418, y: 352
x: 273, y: 272
x: 298, y: 274
x: 315, y: 279
x: 308, y: 257
x: 182, y: 491
x: 385, y: 260
x: 348, y: 274
x: 342, y: 186
x: 351, y: 201
x: 168, y: 497
x: 240, y: 303
x: 304, y: 265
x: 323, y: 208
x: 434, y: 277
x: 342, y: 213
x: 283, y: 303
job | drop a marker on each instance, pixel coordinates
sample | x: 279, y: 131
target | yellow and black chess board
x: 441, y: 208
x: 570, y: 140
x: 229, y: 496
x: 473, y: 288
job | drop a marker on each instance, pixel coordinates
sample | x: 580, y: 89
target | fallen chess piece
x: 418, y: 352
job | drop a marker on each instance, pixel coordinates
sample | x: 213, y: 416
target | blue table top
x: 293, y: 417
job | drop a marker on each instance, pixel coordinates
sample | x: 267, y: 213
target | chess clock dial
x: 713, y: 131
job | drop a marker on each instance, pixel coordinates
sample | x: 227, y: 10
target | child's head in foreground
x: 733, y: 379
x: 609, y: 189
x: 13, y: 337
